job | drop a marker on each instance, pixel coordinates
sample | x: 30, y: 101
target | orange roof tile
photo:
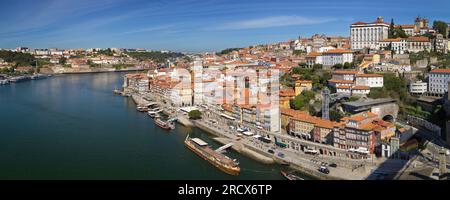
x: 419, y: 39
x: 344, y: 72
x: 440, y: 71
x: 360, y: 87
x: 340, y: 81
x: 339, y: 51
x: 343, y: 87
x: 369, y: 75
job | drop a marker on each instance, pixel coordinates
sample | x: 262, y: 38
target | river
x: 73, y: 127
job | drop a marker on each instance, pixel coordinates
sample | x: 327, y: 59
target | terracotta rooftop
x: 344, y: 72
x: 369, y: 75
x: 440, y: 71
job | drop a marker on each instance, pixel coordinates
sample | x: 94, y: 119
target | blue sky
x: 191, y: 25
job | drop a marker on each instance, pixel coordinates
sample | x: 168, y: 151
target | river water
x: 73, y: 127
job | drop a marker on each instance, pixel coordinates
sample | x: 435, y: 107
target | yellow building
x: 302, y: 85
x: 313, y: 128
x: 287, y: 114
x: 285, y: 96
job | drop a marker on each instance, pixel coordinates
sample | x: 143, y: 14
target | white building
x: 360, y: 90
x: 418, y: 43
x: 347, y: 75
x: 367, y: 35
x: 353, y: 90
x: 398, y: 45
x: 370, y: 80
x: 41, y: 52
x: 440, y: 44
x: 405, y: 45
x: 198, y: 82
x: 325, y: 49
x: 418, y: 87
x: 337, y: 56
x: 438, y: 81
x: 314, y: 58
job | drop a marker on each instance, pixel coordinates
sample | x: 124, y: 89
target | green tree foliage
x: 301, y: 101
x: 440, y: 27
x: 92, y: 64
x: 391, y: 29
x: 317, y: 66
x: 62, y: 61
x: 156, y: 56
x: 195, y: 114
x: 298, y: 52
x: 106, y: 52
x: 348, y: 65
x: 227, y: 51
x: 297, y: 70
x: 398, y: 33
x: 394, y: 87
x: 17, y: 58
x: 335, y: 115
x: 338, y: 66
x: 302, y: 65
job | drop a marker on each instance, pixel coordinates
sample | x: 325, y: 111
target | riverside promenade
x: 258, y: 150
x: 347, y: 169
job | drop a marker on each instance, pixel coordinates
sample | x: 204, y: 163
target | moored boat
x: 163, y: 124
x: 217, y: 159
x: 291, y: 177
x: 141, y: 108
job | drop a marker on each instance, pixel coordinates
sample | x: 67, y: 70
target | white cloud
x: 274, y: 21
x: 147, y: 29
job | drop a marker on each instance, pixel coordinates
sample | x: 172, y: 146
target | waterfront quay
x: 214, y: 123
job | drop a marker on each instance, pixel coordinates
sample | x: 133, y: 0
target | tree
x: 391, y: 29
x: 302, y: 65
x: 440, y: 27
x: 347, y: 65
x: 227, y: 51
x: 301, y: 101
x: 399, y: 33
x: 298, y: 52
x: 296, y: 70
x: 18, y: 58
x: 62, y: 61
x: 335, y: 115
x: 195, y: 114
x: 338, y: 66
x: 317, y: 66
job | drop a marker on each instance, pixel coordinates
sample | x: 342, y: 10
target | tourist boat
x: 217, y: 159
x: 152, y: 114
x: 37, y: 76
x: 4, y: 82
x: 291, y: 177
x: 142, y: 108
x: 117, y: 91
x: 19, y: 79
x: 164, y: 125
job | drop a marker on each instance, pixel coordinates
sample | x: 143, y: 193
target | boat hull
x: 230, y: 171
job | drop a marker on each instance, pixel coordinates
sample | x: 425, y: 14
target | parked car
x: 334, y: 165
x: 281, y: 155
x: 324, y: 170
x: 271, y: 151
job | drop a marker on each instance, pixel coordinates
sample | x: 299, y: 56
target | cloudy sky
x: 192, y: 25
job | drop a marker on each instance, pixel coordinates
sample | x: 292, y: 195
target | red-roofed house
x: 369, y: 80
x: 337, y: 56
